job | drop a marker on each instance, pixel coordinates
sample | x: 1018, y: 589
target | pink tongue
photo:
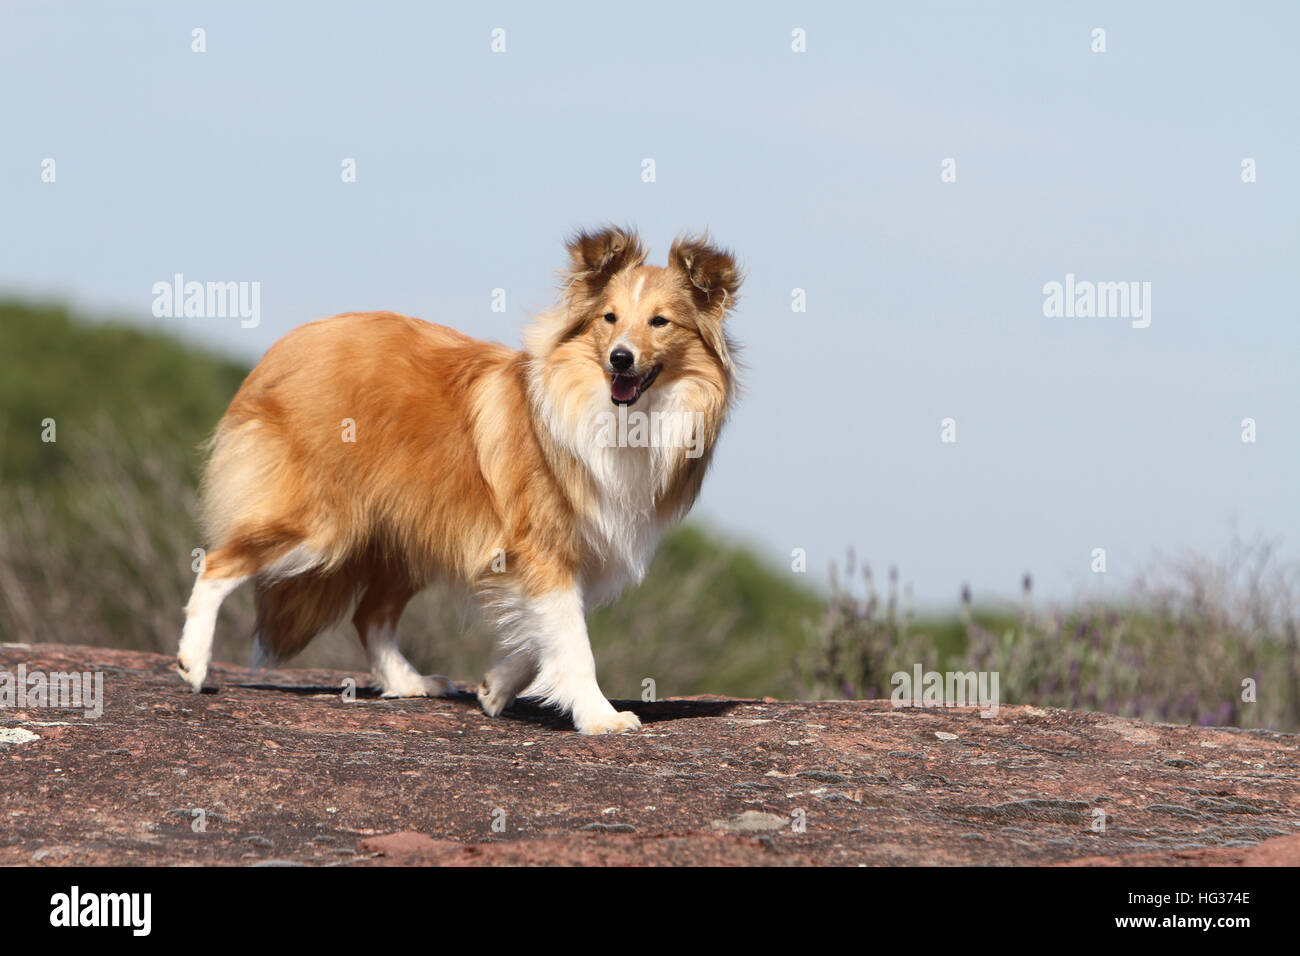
x: 623, y: 388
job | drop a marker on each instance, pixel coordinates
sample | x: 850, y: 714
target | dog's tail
x: 291, y: 611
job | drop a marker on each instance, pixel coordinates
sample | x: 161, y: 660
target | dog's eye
x: 611, y: 317
x: 658, y: 321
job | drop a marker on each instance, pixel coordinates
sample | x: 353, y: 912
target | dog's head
x: 642, y: 327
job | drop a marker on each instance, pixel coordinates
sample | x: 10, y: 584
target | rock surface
x: 278, y: 769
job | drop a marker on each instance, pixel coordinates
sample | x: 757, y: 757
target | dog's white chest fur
x: 621, y: 527
x: 631, y: 468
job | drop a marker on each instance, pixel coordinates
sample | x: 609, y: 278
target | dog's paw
x: 615, y: 722
x: 192, y: 673
x: 435, y: 685
x: 493, y: 700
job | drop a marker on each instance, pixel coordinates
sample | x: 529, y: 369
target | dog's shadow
x: 650, y: 712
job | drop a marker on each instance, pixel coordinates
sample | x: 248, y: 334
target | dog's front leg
x: 566, y: 669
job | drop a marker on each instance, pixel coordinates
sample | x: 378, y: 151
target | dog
x: 369, y: 454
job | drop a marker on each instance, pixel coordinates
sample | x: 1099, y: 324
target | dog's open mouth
x: 626, y: 389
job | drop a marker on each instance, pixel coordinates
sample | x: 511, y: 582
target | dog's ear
x: 596, y: 257
x: 711, y: 272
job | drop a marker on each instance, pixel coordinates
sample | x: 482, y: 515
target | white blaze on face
x: 636, y: 293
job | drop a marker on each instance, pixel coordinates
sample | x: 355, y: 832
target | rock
x: 823, y: 776
x: 1278, y: 851
x: 409, y: 847
x: 752, y: 821
x: 711, y: 781
x: 53, y: 853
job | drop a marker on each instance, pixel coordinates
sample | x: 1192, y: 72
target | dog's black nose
x: 620, y: 360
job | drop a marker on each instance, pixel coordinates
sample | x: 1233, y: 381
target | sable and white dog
x: 371, y: 453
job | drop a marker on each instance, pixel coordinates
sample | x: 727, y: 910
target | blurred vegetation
x: 83, y: 374
x: 1179, y: 649
x: 97, y: 531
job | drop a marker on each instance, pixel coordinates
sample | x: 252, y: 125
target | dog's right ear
x: 596, y: 257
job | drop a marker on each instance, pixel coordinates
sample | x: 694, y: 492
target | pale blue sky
x: 821, y: 169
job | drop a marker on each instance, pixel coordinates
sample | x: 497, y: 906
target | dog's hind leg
x: 376, y: 622
x: 219, y: 577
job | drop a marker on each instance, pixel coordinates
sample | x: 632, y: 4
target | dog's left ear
x: 711, y: 271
